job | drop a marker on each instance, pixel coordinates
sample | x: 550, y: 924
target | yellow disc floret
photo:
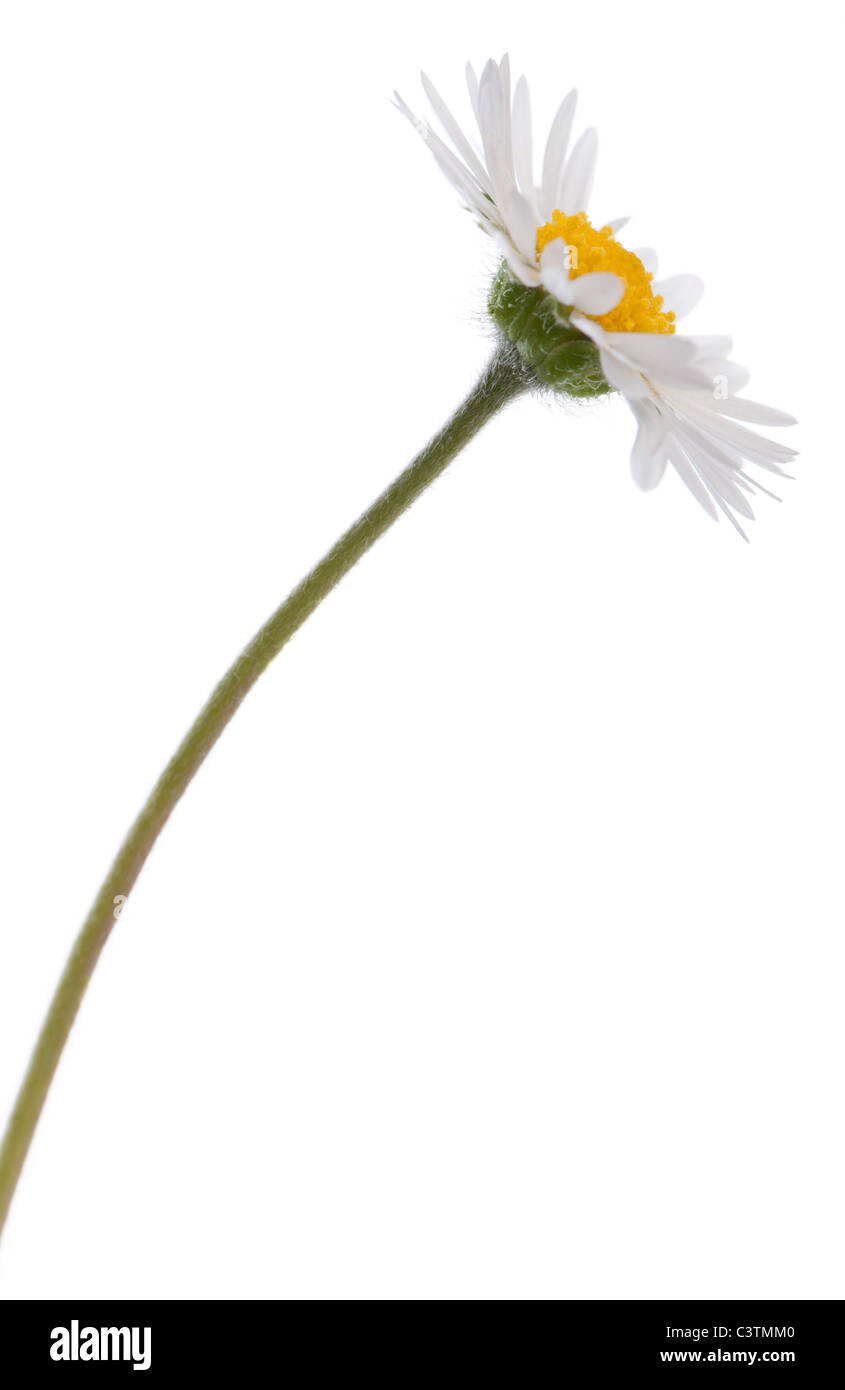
x: 640, y: 310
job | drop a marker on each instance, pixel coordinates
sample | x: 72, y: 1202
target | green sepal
x: 539, y: 327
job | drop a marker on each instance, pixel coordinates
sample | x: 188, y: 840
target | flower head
x: 586, y: 313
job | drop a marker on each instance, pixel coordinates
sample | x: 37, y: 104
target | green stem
x: 503, y: 379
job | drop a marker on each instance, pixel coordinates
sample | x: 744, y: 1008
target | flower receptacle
x: 539, y: 327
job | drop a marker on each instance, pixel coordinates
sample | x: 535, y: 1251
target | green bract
x: 539, y: 328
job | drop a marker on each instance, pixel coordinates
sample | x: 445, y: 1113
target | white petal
x: 461, y: 179
x: 727, y: 498
x: 731, y: 373
x: 685, y: 470
x: 553, y: 160
x: 525, y: 274
x: 456, y: 135
x: 752, y: 411
x: 680, y: 293
x: 472, y: 87
x: 505, y: 81
x: 521, y: 225
x: 555, y: 255
x: 701, y: 443
x: 597, y: 292
x: 522, y: 152
x: 494, y: 135
x: 648, y: 256
x: 721, y: 479
x: 418, y: 124
x: 754, y: 486
x: 705, y: 438
x: 668, y: 359
x: 558, y: 283
x: 731, y: 518
x: 654, y: 349
x: 617, y: 224
x: 554, y: 270
x: 720, y: 487
x: 664, y: 359
x: 622, y: 376
x: 752, y: 446
x: 578, y: 176
x: 710, y: 344
x: 648, y: 455
x: 681, y: 376
x: 591, y: 329
x: 456, y: 172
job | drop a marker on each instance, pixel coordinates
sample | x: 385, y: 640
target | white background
x: 496, y: 952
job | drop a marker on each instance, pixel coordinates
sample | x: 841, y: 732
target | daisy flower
x: 587, y: 314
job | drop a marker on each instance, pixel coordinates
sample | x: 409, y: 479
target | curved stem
x: 502, y: 380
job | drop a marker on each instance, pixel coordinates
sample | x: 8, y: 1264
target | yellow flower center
x: 639, y: 310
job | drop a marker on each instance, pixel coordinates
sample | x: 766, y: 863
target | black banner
x: 783, y: 1340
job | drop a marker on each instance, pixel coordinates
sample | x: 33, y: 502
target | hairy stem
x: 503, y: 379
